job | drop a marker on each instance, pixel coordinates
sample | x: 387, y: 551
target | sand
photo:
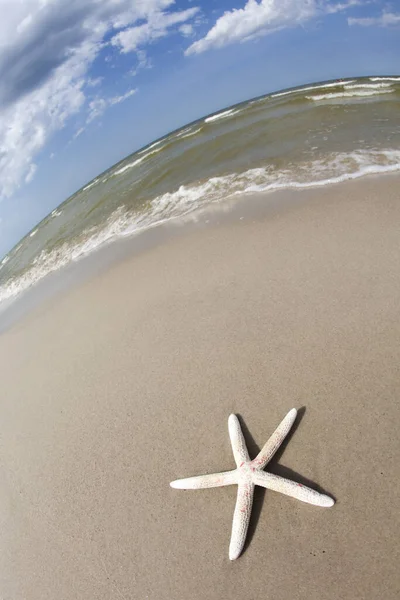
x: 125, y: 382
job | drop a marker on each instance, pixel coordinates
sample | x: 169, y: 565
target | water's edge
x: 243, y: 208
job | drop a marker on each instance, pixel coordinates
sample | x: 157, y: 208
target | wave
x: 135, y: 162
x: 354, y: 94
x: 187, y: 132
x: 310, y: 88
x: 152, y: 146
x: 183, y: 132
x: 87, y: 187
x: 222, y: 115
x: 384, y: 78
x: 188, y: 199
x: 368, y: 86
x: 191, y: 133
x: 129, y: 166
x: 336, y: 168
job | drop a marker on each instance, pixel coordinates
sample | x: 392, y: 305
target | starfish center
x: 246, y: 471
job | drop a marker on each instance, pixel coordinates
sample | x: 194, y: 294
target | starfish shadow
x: 275, y: 468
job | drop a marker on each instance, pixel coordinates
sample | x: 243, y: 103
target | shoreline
x: 244, y: 206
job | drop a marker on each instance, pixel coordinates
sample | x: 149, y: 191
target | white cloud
x: 157, y: 26
x: 27, y: 123
x: 46, y: 50
x: 31, y: 172
x: 186, y: 29
x: 144, y: 62
x: 259, y: 18
x: 98, y: 106
x: 77, y: 133
x: 94, y: 82
x: 334, y: 7
x: 118, y: 99
x: 386, y: 19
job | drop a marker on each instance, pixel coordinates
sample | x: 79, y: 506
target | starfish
x: 250, y: 473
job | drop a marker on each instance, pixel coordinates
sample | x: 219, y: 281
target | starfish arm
x: 206, y: 481
x: 291, y: 488
x: 241, y: 519
x: 276, y: 439
x: 239, y: 449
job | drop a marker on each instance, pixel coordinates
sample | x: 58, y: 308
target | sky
x: 83, y: 83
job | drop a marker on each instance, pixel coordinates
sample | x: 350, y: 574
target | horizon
x: 185, y: 125
x: 86, y: 84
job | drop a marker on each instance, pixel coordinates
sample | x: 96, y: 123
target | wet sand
x: 125, y: 382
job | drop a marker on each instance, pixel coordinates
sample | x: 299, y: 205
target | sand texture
x: 126, y: 381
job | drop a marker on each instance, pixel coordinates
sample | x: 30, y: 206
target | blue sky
x: 83, y: 83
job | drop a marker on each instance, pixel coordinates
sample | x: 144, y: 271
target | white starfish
x: 250, y: 473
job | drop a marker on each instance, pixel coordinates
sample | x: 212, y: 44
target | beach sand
x: 125, y: 382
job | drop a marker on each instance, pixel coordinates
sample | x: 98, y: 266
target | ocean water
x: 308, y: 136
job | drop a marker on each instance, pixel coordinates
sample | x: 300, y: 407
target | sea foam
x: 311, y: 88
x: 187, y: 199
x: 221, y: 115
x: 350, y: 94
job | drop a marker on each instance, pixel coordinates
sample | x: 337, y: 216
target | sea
x: 308, y: 136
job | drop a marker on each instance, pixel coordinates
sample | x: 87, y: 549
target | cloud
x: 334, y: 7
x: 144, y: 62
x: 386, y: 19
x: 259, y: 18
x: 118, y: 99
x: 187, y: 29
x: 98, y: 106
x: 77, y: 133
x: 47, y: 49
x: 94, y: 82
x: 31, y: 172
x: 158, y: 26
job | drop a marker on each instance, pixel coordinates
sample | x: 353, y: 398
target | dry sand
x: 126, y: 382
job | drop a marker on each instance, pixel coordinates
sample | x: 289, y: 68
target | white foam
x: 191, y: 133
x: 129, y: 166
x: 150, y: 147
x: 187, y: 132
x: 136, y: 162
x: 34, y: 232
x: 354, y: 94
x: 336, y: 170
x: 90, y: 185
x: 188, y: 199
x: 182, y: 132
x: 311, y: 88
x: 368, y: 86
x: 221, y: 115
x: 385, y: 78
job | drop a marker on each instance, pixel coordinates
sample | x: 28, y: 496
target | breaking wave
x: 221, y: 115
x: 310, y: 88
x: 190, y: 198
x: 385, y: 78
x: 353, y: 94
